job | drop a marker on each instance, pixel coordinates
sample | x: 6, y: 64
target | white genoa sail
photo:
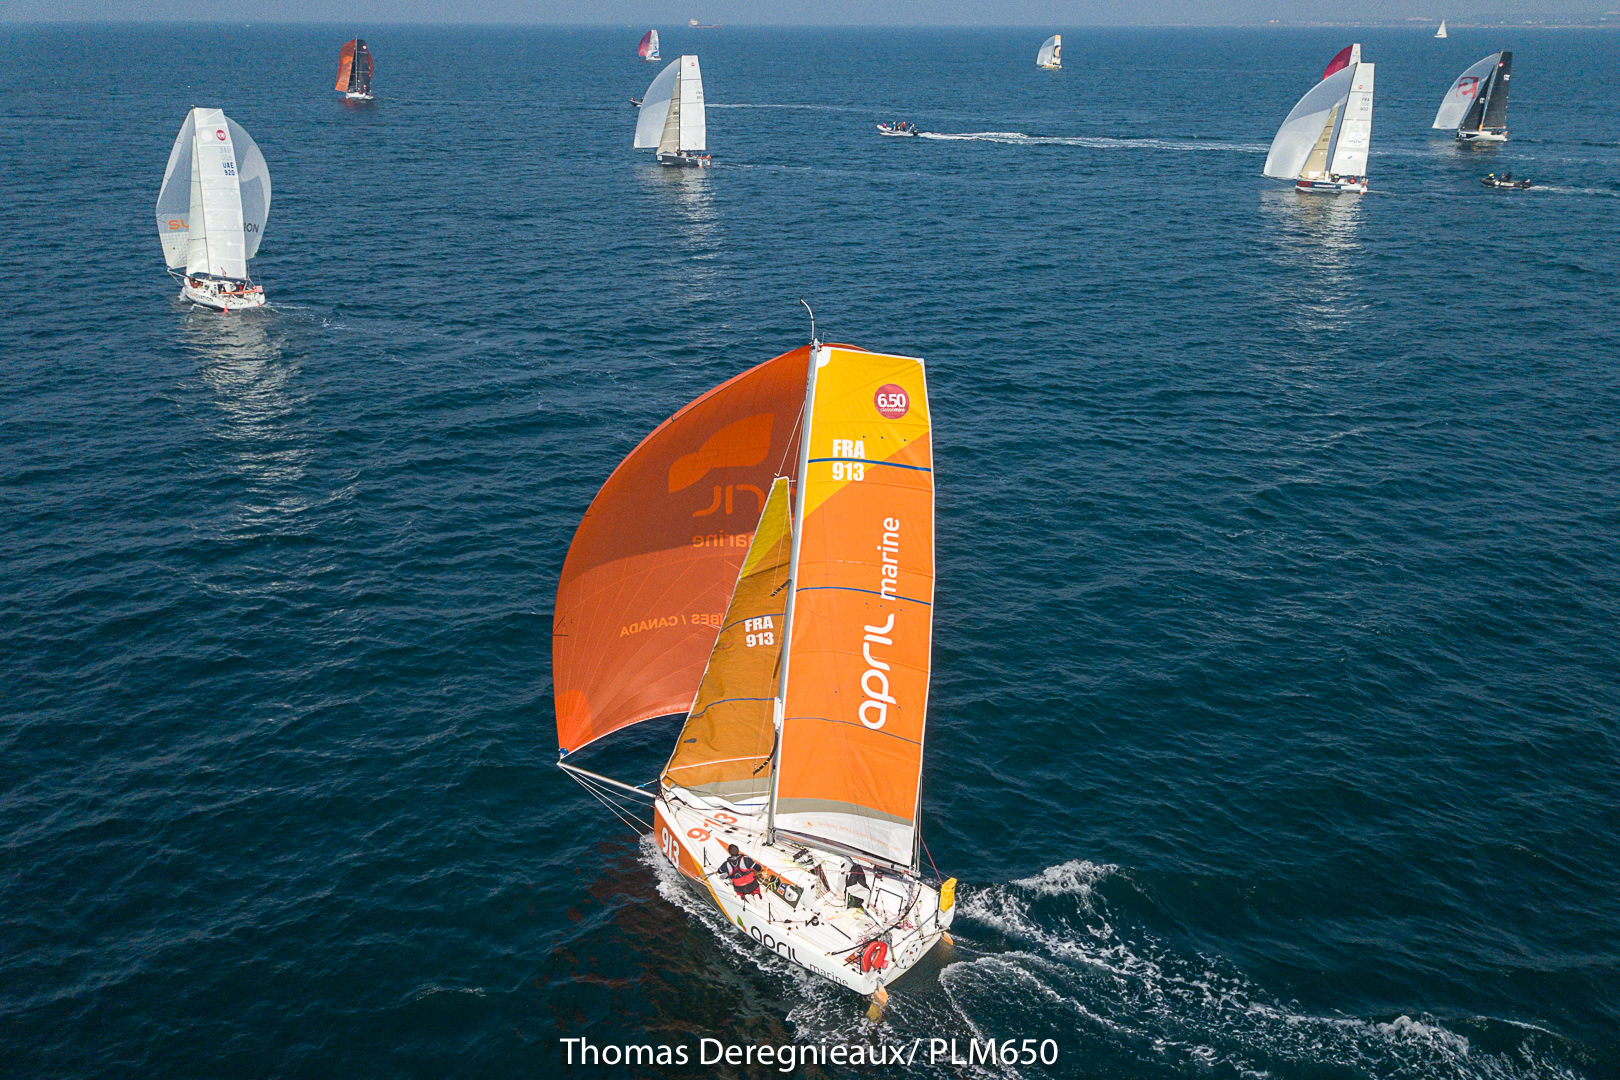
x: 215, y: 198
x: 655, y: 107
x: 1051, y: 54
x: 1440, y: 33
x: 1306, y: 124
x: 1464, y: 92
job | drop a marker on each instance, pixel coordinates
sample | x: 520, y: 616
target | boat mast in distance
x: 1051, y: 54
x: 673, y: 120
x: 354, y: 71
x: 1323, y: 143
x: 648, y: 49
x: 1476, y: 104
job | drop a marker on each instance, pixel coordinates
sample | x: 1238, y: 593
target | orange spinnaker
x: 345, y: 65
x: 858, y: 661
x: 653, y: 564
x: 724, y: 751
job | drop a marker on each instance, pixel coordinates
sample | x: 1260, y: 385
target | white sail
x: 1440, y: 33
x: 253, y: 178
x: 202, y: 177
x: 1049, y: 55
x: 655, y: 107
x: 694, y: 127
x: 1350, y: 146
x: 1306, y: 122
x: 1469, y: 85
x: 174, y: 200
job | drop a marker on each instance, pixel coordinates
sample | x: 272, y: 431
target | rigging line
x: 930, y: 855
x: 638, y: 826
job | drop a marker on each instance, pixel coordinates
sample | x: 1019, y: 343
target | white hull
x: 1482, y: 136
x: 1050, y: 67
x: 684, y: 159
x: 816, y: 929
x: 222, y: 296
x: 882, y: 130
x: 355, y: 95
x: 1348, y: 185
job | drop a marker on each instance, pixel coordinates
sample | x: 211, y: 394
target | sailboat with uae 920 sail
x: 211, y: 211
x: 764, y: 563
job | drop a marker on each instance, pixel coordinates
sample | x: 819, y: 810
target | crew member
x: 741, y: 871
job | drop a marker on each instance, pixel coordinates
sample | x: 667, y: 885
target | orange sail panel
x: 857, y: 670
x: 345, y: 66
x: 654, y: 562
x: 725, y: 748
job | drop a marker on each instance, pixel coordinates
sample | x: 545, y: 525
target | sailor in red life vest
x: 741, y: 871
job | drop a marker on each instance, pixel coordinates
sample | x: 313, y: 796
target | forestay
x: 855, y: 690
x: 1464, y: 92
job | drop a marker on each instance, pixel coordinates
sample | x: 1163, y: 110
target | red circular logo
x: 220, y: 134
x: 892, y: 401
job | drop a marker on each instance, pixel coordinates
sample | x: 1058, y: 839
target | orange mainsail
x: 856, y: 679
x: 647, y: 579
x: 725, y: 748
x: 345, y: 66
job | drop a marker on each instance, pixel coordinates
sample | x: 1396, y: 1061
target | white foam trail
x: 807, y: 108
x: 1093, y: 142
x: 1067, y: 968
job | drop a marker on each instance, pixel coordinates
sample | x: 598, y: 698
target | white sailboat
x: 1440, y: 33
x: 1322, y: 144
x: 1051, y: 54
x: 795, y: 636
x: 1476, y: 104
x: 673, y: 120
x: 211, y: 211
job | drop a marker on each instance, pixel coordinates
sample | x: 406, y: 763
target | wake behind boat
x: 673, y: 120
x: 211, y: 211
x: 797, y: 646
x: 1322, y: 144
x: 1476, y: 104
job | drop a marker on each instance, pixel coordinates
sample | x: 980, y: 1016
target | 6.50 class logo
x: 892, y: 401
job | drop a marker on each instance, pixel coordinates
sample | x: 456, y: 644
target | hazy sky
x: 1057, y: 13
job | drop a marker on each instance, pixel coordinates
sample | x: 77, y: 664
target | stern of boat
x: 794, y: 915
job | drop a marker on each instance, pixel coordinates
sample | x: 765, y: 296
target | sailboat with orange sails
x: 355, y: 69
x: 763, y: 563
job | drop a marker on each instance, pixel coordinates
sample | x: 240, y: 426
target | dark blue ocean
x: 1276, y: 696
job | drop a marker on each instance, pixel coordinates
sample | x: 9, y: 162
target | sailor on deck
x: 741, y: 871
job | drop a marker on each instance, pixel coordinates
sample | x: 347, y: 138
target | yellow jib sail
x: 725, y: 748
x: 857, y: 667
